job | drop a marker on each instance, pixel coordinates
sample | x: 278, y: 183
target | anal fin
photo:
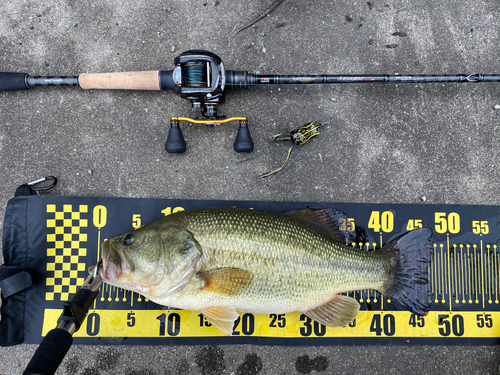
x: 338, y: 312
x: 221, y: 317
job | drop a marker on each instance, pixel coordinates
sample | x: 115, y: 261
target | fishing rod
x: 200, y: 77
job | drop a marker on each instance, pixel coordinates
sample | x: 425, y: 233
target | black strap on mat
x: 14, y: 280
x: 15, y: 252
x: 16, y: 276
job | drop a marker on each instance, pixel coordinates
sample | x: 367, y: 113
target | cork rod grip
x: 147, y: 80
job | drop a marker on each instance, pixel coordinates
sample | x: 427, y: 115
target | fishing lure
x: 298, y: 136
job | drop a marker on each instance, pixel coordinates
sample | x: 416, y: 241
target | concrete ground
x: 388, y: 143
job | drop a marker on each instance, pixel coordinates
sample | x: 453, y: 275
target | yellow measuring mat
x: 65, y: 233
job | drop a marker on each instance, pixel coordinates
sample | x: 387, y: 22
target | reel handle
x: 243, y: 141
x: 13, y: 81
x: 175, y: 143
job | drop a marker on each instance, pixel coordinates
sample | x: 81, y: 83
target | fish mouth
x: 114, y: 262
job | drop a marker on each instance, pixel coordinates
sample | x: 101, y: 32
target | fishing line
x: 196, y: 74
x: 283, y: 169
x: 279, y: 171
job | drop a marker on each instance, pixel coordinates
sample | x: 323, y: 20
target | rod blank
x: 239, y: 79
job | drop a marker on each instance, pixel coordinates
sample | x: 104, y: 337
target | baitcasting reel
x: 200, y: 77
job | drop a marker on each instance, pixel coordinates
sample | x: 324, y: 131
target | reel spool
x: 196, y: 74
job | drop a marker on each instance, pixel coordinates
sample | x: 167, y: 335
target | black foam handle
x: 50, y: 353
x: 243, y: 141
x: 175, y: 143
x: 13, y: 81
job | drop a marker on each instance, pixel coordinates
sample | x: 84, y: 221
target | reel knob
x: 243, y: 141
x: 175, y: 143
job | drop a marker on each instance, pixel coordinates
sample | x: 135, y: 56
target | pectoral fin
x: 338, y: 312
x: 221, y: 317
x: 227, y: 281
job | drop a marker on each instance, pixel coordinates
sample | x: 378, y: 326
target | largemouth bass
x: 223, y: 260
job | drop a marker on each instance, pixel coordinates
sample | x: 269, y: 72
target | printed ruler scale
x: 463, y: 276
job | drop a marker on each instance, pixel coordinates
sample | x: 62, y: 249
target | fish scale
x: 293, y: 267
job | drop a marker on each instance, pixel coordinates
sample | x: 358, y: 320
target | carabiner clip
x: 40, y: 180
x: 30, y: 189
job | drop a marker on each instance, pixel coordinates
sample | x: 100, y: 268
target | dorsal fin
x: 320, y: 219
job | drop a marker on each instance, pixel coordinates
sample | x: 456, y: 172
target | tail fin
x: 409, y: 257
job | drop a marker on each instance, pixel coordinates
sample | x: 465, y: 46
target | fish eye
x: 129, y: 238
